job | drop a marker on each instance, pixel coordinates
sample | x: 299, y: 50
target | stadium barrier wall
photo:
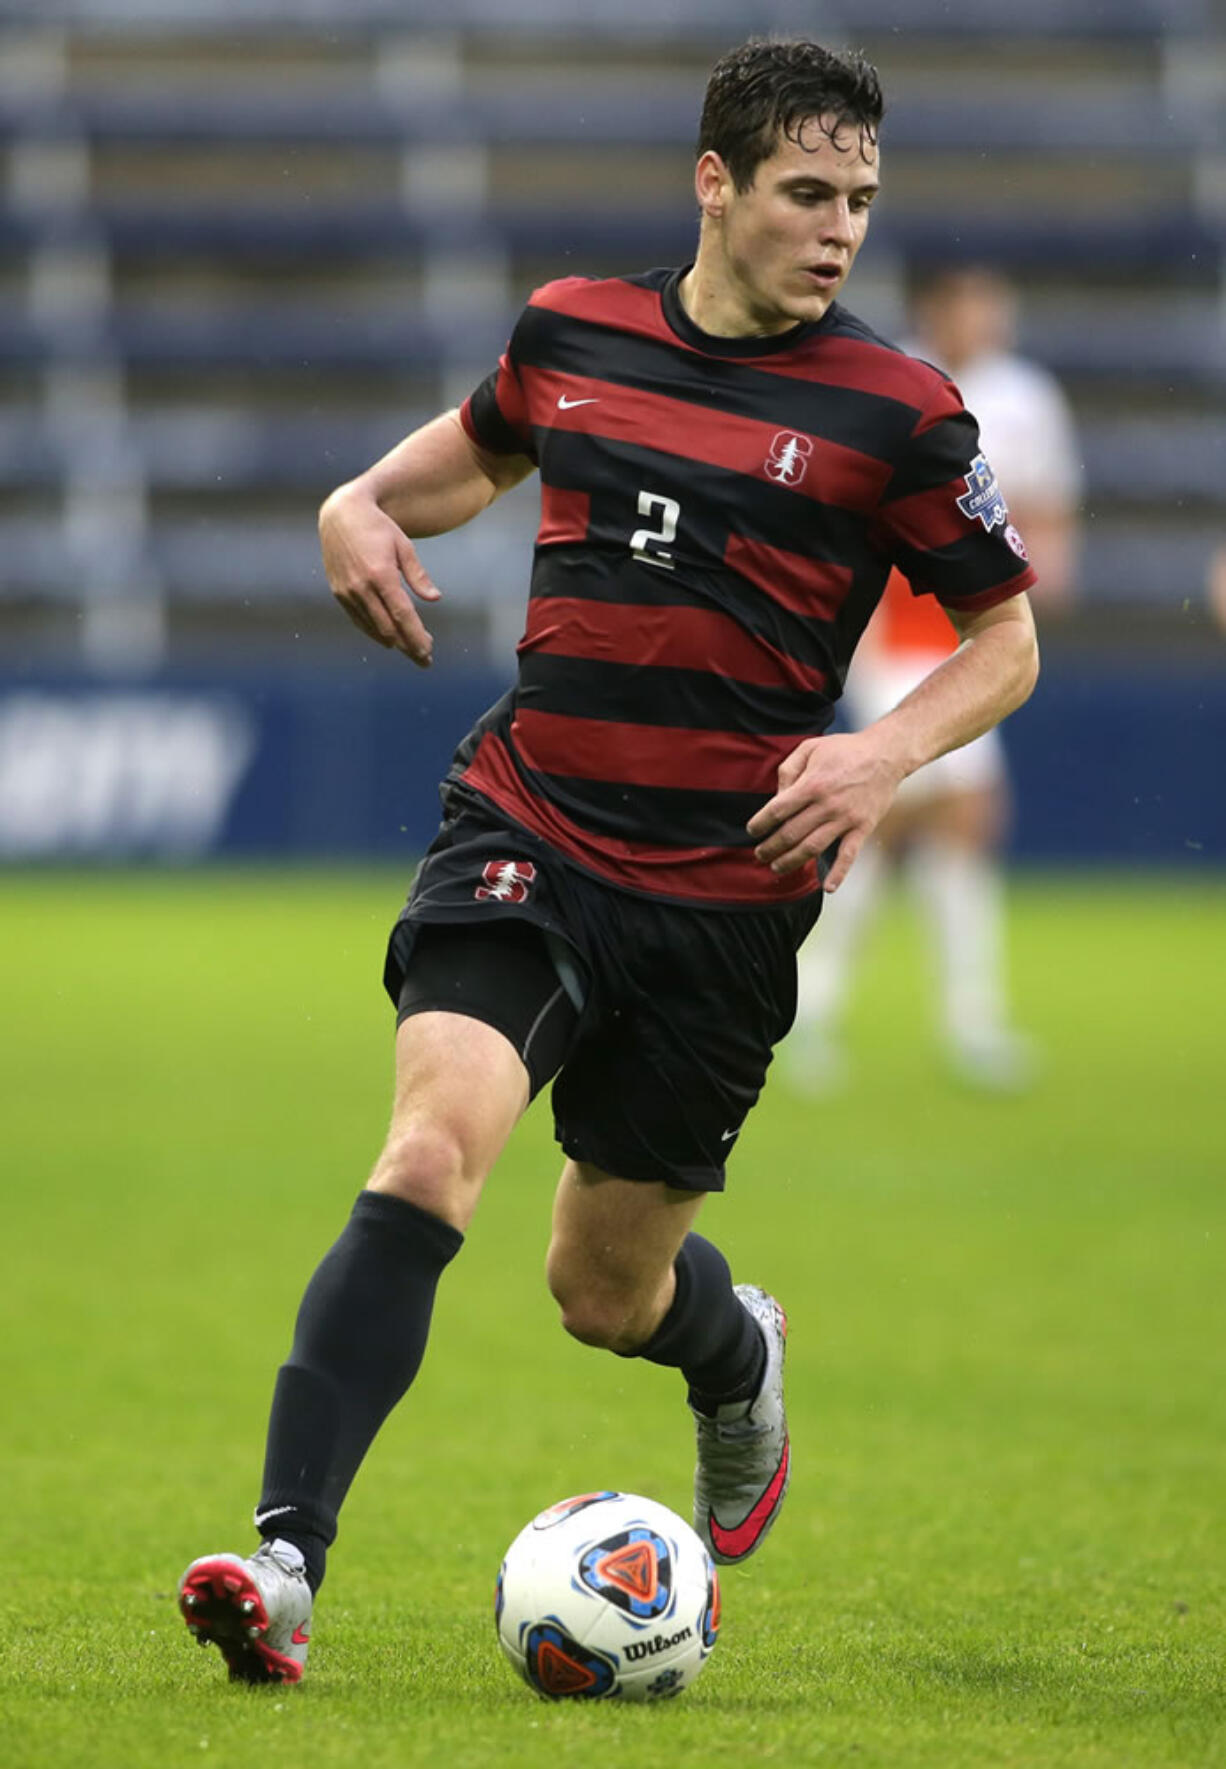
x: 1112, y: 763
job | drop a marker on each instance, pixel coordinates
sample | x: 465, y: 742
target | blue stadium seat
x: 721, y: 18
x: 1147, y: 363
x: 1130, y: 241
x: 1129, y: 121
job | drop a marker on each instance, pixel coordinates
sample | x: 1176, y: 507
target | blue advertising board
x: 1110, y: 762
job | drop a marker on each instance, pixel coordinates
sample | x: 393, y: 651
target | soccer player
x: 948, y: 823
x: 637, y: 837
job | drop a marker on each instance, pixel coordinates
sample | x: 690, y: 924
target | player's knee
x: 425, y: 1163
x: 603, y: 1314
x: 605, y: 1325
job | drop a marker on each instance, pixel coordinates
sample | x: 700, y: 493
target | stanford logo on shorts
x: 789, y: 457
x: 506, y: 881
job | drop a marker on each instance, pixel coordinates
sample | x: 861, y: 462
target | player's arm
x: 837, y: 789
x: 1045, y: 492
x: 435, y: 480
x: 989, y: 676
x: 1052, y: 536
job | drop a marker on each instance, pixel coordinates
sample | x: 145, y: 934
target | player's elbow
x: 1028, y: 668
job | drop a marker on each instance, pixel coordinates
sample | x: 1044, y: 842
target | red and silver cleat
x: 744, y: 1458
x: 257, y: 1611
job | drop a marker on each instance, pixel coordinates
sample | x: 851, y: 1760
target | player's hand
x: 831, y: 789
x: 369, y: 559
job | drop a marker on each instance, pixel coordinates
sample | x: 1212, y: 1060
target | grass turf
x: 1004, y: 1544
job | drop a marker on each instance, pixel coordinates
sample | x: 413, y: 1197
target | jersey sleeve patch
x: 982, y: 500
x: 944, y: 521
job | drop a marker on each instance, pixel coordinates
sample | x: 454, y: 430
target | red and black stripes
x: 718, y: 519
x: 702, y: 870
x: 703, y: 641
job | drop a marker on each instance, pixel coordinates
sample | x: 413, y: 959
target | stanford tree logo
x: 789, y: 457
x: 506, y: 881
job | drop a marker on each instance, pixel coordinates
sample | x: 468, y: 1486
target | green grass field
x: 1005, y: 1543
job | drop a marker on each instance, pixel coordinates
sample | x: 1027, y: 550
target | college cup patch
x: 506, y: 881
x: 983, y: 499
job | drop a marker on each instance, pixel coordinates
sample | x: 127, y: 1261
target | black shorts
x: 657, y: 1019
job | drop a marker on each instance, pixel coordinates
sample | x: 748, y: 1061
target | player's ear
x: 712, y: 182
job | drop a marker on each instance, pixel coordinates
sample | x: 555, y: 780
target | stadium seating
x: 246, y: 244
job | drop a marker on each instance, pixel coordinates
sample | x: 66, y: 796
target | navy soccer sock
x: 358, y: 1343
x: 707, y: 1334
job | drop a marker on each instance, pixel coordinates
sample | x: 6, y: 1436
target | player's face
x: 966, y: 314
x: 789, y: 241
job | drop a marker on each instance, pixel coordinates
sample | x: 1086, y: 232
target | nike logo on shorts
x: 568, y: 405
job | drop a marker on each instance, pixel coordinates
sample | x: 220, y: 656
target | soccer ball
x: 607, y: 1594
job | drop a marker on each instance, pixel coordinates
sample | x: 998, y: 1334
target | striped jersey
x: 718, y: 520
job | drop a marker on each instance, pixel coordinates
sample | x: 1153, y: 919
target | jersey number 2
x: 648, y: 544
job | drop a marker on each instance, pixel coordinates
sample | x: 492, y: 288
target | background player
x: 630, y: 852
x: 949, y: 821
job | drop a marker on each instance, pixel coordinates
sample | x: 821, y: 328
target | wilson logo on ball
x: 639, y: 1649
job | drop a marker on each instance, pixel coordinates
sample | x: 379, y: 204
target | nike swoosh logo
x: 568, y: 405
x: 262, y: 1517
x: 301, y: 1636
x: 734, y: 1544
x: 726, y: 1135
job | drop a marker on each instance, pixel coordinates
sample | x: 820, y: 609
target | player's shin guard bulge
x: 744, y: 1457
x: 257, y: 1611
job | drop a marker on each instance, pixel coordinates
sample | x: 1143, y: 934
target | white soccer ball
x: 607, y: 1594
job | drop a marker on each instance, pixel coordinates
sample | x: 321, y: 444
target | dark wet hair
x: 767, y: 89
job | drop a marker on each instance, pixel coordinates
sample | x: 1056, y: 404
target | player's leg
x: 359, y: 1337
x: 362, y: 1328
x: 813, y: 1056
x: 954, y: 867
x: 630, y: 1275
x: 461, y: 1083
x: 613, y: 1252
x: 656, y: 1091
x: 815, y: 1061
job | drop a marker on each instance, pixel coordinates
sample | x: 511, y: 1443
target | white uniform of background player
x: 949, y: 819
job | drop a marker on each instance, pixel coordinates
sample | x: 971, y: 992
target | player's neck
x: 717, y: 307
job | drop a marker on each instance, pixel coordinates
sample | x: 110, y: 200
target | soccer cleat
x: 257, y: 1611
x: 995, y: 1060
x: 744, y: 1462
